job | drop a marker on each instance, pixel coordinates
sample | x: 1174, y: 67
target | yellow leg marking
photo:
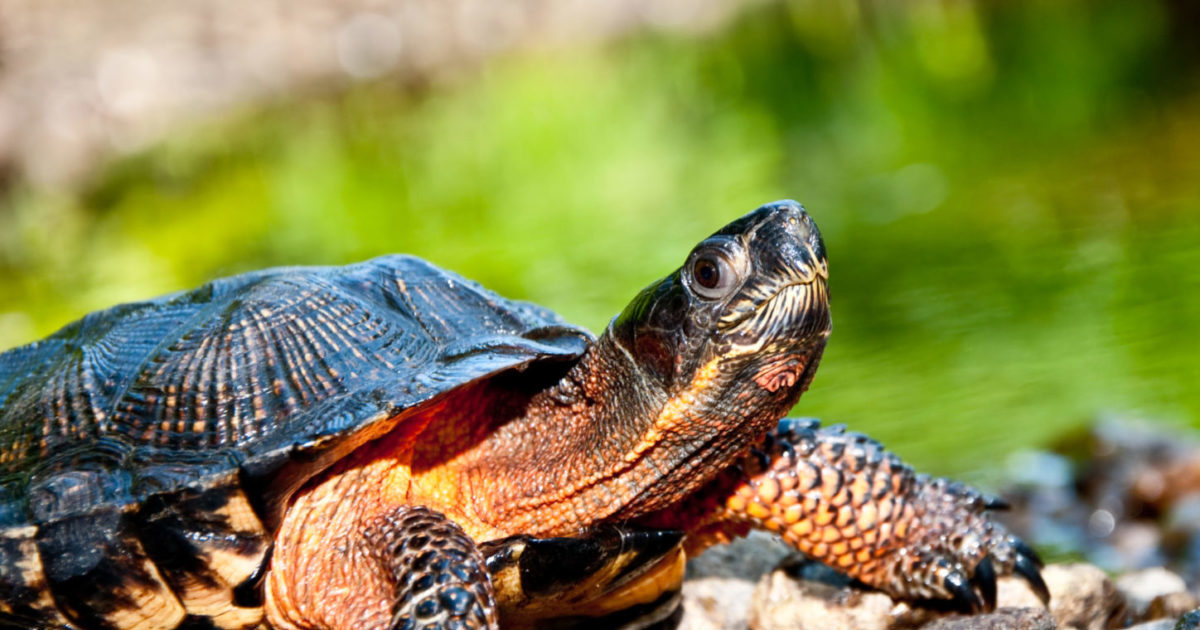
x: 591, y: 597
x: 666, y: 575
x: 151, y: 608
x: 29, y: 567
x: 214, y: 602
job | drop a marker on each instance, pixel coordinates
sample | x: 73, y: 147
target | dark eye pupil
x: 707, y: 274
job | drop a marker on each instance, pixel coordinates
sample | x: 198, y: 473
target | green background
x: 1009, y: 192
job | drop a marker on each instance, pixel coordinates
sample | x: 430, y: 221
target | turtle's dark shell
x: 164, y: 423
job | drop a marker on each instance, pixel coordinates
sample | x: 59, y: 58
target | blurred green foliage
x: 1010, y: 195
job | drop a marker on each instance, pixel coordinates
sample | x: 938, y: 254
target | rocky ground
x: 1123, y: 498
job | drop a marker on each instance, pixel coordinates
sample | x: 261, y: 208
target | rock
x: 747, y: 558
x: 1159, y: 624
x: 1140, y: 588
x: 1132, y: 544
x: 804, y: 595
x: 1139, y: 507
x: 1189, y: 621
x: 1082, y: 596
x: 1172, y: 605
x: 1181, y: 527
x: 809, y: 596
x: 716, y: 603
x: 1002, y: 619
x: 720, y: 582
x: 782, y: 602
x: 1014, y: 592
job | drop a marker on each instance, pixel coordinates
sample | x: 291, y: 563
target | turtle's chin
x: 787, y: 374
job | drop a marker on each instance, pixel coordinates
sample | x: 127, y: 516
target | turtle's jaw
x: 786, y: 360
x: 795, y: 315
x: 773, y: 356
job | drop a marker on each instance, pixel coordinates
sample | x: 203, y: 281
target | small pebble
x: 1003, y: 619
x: 1082, y: 596
x: 1140, y: 588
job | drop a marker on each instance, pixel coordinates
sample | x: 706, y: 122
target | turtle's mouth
x: 791, y: 312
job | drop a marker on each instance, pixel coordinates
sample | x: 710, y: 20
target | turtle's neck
x: 607, y: 443
x: 583, y: 450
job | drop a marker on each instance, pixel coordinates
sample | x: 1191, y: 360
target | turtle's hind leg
x: 409, y: 569
x: 610, y: 577
x: 840, y: 498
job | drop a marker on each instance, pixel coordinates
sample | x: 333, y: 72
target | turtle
x: 387, y: 445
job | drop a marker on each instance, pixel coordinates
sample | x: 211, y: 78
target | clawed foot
x: 958, y: 551
x: 843, y: 500
x: 910, y: 535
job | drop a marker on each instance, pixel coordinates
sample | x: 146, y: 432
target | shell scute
x: 271, y: 369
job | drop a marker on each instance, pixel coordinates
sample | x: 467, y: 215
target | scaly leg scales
x: 840, y: 498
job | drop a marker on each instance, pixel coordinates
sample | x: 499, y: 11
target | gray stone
x: 747, y: 558
x: 716, y: 603
x: 720, y: 582
x: 806, y: 595
x: 1002, y: 619
x: 1147, y: 584
x: 1082, y: 596
x: 782, y: 602
x: 1014, y: 592
x: 1172, y: 605
x: 1140, y: 588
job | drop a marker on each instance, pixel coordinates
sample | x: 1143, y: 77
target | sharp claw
x: 1027, y: 566
x: 984, y: 581
x: 965, y: 597
x: 1025, y: 550
x: 764, y: 459
x: 996, y: 503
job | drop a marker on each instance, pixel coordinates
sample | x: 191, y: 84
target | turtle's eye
x: 707, y: 273
x: 714, y: 273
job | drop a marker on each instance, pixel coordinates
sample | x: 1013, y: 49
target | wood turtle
x: 389, y: 446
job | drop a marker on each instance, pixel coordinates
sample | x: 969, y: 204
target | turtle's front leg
x: 408, y: 569
x: 842, y: 499
x: 436, y: 570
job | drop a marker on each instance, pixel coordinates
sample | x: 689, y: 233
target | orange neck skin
x: 606, y: 443
x: 549, y: 462
x: 602, y: 443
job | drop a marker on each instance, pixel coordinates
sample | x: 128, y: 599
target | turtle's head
x: 737, y: 331
x: 700, y: 365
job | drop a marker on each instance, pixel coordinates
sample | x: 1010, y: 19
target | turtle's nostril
x: 796, y: 221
